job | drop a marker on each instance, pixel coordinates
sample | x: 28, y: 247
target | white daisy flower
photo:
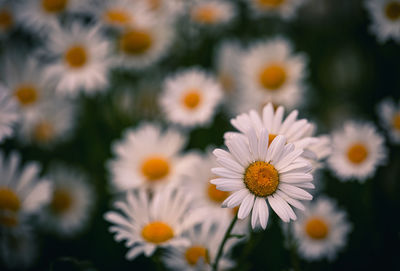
x: 297, y: 132
x: 169, y: 10
x: 52, y: 122
x: 321, y: 231
x: 385, y: 19
x: 71, y: 202
x: 147, y: 224
x: 202, y: 250
x: 389, y: 114
x: 143, y: 44
x: 7, y: 17
x: 8, y: 114
x: 358, y: 149
x: 21, y: 191
x: 285, y: 9
x: 190, y: 98
x: 258, y: 171
x: 271, y: 72
x: 149, y: 157
x: 211, y: 12
x: 82, y: 59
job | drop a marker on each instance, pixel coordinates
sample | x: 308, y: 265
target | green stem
x: 221, y: 246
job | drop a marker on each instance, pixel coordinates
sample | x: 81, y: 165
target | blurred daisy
x: 321, y: 230
x: 190, y: 98
x: 202, y: 250
x: 271, y: 72
x: 357, y: 151
x: 285, y: 9
x: 385, y: 19
x: 8, y: 114
x: 52, y: 122
x: 143, y: 44
x: 7, y: 17
x: 147, y: 224
x: 149, y: 157
x: 211, y: 12
x: 297, y: 132
x: 81, y: 60
x: 169, y: 10
x: 389, y: 114
x: 257, y: 171
x: 21, y: 191
x: 71, y: 202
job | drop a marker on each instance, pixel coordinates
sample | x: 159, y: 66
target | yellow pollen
x: 157, y: 232
x: 191, y: 99
x: 9, y: 207
x: 54, y: 6
x: 76, y: 56
x: 357, y: 153
x: 26, y: 94
x: 392, y: 10
x: 272, y: 77
x: 261, y: 178
x: 61, y: 201
x: 270, y: 3
x: 216, y: 195
x: 155, y: 168
x: 43, y: 131
x: 193, y: 254
x: 316, y: 228
x: 396, y: 121
x: 135, y: 42
x: 205, y: 14
x: 271, y: 138
x: 6, y: 19
x: 117, y: 16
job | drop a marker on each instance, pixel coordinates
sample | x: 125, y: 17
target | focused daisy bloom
x: 7, y: 17
x: 190, y: 98
x: 271, y: 72
x: 257, y: 171
x: 22, y: 193
x: 71, y: 202
x: 389, y: 114
x: 149, y: 157
x: 358, y: 149
x: 52, y: 122
x: 147, y: 224
x: 322, y: 230
x: 143, y: 44
x: 285, y: 9
x: 385, y: 19
x: 8, y: 114
x: 82, y: 59
x: 202, y: 250
x: 211, y: 12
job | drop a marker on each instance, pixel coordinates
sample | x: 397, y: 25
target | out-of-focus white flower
x: 385, y: 19
x: 358, y: 149
x: 285, y: 9
x: 210, y: 12
x: 8, y: 114
x: 389, y: 114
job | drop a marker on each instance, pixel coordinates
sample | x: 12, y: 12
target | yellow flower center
x: 61, y: 201
x: 191, y: 99
x: 392, y: 10
x: 272, y: 77
x: 157, y: 232
x: 357, y: 153
x: 54, y: 6
x: 26, y: 94
x: 316, y: 228
x: 261, y: 178
x: 193, y: 254
x: 226, y: 82
x: 154, y: 4
x: 43, y: 131
x: 271, y: 138
x: 396, y: 122
x: 155, y: 168
x: 135, y: 42
x: 76, y: 56
x: 216, y: 195
x: 6, y: 19
x: 9, y: 207
x: 270, y: 3
x: 205, y: 14
x: 117, y: 16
